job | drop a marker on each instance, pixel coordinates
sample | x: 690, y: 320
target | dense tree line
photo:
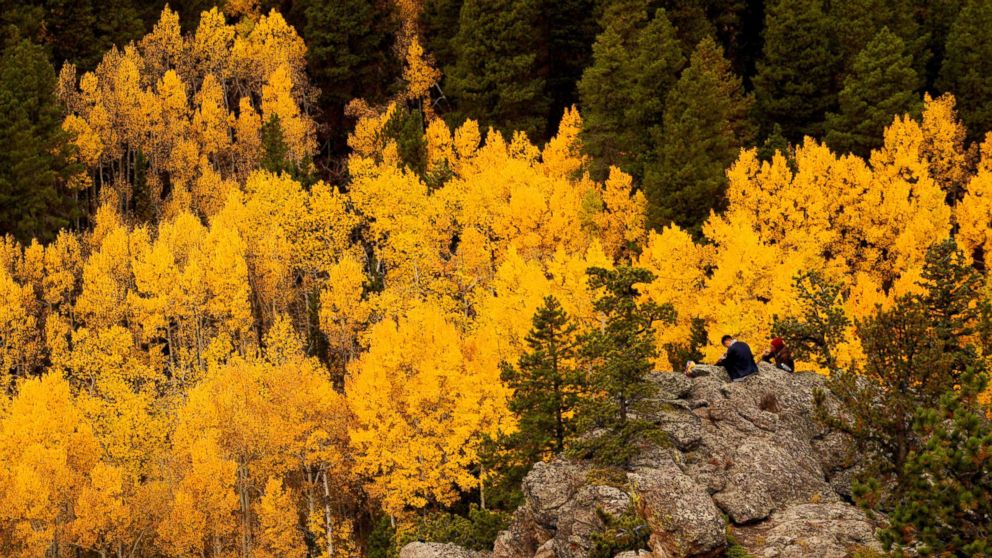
x: 670, y: 89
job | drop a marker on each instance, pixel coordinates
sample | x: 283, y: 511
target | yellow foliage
x: 418, y: 74
x: 48, y: 450
x: 417, y: 412
x: 278, y: 536
x: 298, y: 131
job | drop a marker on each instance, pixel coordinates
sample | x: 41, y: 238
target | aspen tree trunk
x: 245, y: 523
x: 328, y: 521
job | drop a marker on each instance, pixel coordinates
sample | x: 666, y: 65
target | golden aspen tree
x: 247, y: 139
x: 402, y: 228
x: 562, y: 157
x: 943, y: 146
x: 106, y: 280
x: 47, y: 449
x: 102, y: 519
x: 416, y: 413
x: 201, y: 518
x: 210, y: 190
x: 903, y: 210
x: 264, y: 219
x: 89, y: 146
x: 973, y: 214
x: 211, y: 121
x: 621, y: 220
x: 223, y: 271
x: 279, y: 536
x: 298, y: 131
x: 679, y: 265
x: 63, y: 271
x: 144, y: 119
x: 270, y: 44
x: 323, y: 232
x: 343, y: 308
x: 420, y: 77
x: 19, y: 340
x: 164, y: 47
x: 211, y: 44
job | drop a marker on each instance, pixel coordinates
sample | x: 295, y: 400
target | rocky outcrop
x: 560, y: 514
x: 438, y: 550
x: 747, y: 457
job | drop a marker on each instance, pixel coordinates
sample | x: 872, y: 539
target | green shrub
x: 475, y: 531
x: 627, y: 531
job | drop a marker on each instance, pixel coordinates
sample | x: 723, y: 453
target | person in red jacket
x: 779, y: 353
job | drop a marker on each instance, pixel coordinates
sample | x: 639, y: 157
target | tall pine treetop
x: 706, y: 122
x: 796, y: 83
x: 968, y: 66
x: 881, y: 85
x: 636, y: 60
x: 34, y: 150
x: 499, y: 75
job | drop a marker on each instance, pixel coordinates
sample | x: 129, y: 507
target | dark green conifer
x: 35, y: 152
x: 636, y: 60
x: 619, y: 356
x: 705, y: 124
x: 916, y: 351
x: 880, y: 86
x: 968, y: 65
x: 349, y: 53
x: 499, y: 76
x: 797, y: 80
x: 546, y: 385
x: 944, y: 501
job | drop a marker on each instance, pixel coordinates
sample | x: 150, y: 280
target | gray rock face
x: 831, y: 530
x: 683, y: 518
x: 750, y: 451
x: 437, y: 550
x: 559, y: 515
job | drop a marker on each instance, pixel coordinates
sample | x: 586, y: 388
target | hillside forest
x: 293, y: 278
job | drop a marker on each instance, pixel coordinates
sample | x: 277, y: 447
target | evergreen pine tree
x: 349, y: 53
x: 545, y: 384
x: 499, y: 75
x: 439, y: 24
x: 944, y: 500
x: 796, y: 83
x: 620, y: 354
x: 776, y: 143
x: 705, y: 125
x: 881, y: 85
x: 691, y: 22
x: 917, y: 350
x: 571, y: 28
x: 952, y: 294
x: 968, y: 65
x: 34, y: 150
x: 936, y: 18
x: 76, y: 31
x: 820, y: 325
x: 546, y: 388
x: 857, y: 22
x: 636, y: 61
x: 275, y: 152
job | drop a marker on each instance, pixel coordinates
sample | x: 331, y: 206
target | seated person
x: 738, y: 360
x: 780, y: 354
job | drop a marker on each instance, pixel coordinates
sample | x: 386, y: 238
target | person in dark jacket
x: 780, y: 354
x: 738, y: 360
